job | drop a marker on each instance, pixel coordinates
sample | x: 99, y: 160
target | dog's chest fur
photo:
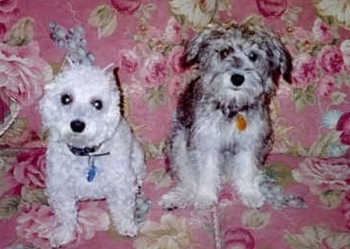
x: 205, y: 117
x: 226, y: 131
x: 78, y: 176
x: 109, y: 168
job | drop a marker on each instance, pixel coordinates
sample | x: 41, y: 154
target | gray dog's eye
x: 253, y: 56
x: 66, y: 99
x: 97, y: 104
x: 225, y: 52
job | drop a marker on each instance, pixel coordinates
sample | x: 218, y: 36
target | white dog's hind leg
x: 246, y: 179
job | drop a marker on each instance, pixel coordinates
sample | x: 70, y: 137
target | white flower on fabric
x: 197, y: 13
x: 170, y: 233
x: 339, y: 10
x: 330, y: 119
x: 104, y: 19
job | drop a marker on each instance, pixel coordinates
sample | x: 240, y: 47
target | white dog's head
x: 80, y: 106
x: 238, y: 62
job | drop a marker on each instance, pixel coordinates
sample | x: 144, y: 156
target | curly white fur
x: 80, y: 108
x: 222, y: 125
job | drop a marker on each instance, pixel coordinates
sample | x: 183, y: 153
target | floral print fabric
x: 146, y: 39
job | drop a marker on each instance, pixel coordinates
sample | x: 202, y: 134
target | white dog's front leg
x: 66, y: 218
x: 246, y: 178
x: 122, y: 211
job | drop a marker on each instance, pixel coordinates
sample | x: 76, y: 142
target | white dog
x: 91, y: 152
x: 222, y: 124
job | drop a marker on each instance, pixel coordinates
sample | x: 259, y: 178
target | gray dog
x: 222, y: 124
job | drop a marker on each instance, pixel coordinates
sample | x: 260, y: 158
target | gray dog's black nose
x: 237, y: 79
x: 77, y: 126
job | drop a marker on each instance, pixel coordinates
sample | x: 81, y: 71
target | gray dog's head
x: 239, y: 62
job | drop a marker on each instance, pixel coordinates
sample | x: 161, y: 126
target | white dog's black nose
x: 77, y: 126
x: 237, y: 79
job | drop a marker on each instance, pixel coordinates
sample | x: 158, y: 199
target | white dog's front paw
x: 253, y: 199
x: 129, y: 230
x: 61, y: 235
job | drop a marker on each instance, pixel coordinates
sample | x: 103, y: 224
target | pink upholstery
x: 145, y: 39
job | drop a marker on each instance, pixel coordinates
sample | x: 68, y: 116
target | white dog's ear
x: 45, y: 104
x: 109, y: 71
x: 67, y: 64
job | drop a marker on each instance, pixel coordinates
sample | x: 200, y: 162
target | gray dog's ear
x: 286, y: 66
x: 281, y: 61
x: 279, y: 58
x: 284, y: 63
x: 194, y: 47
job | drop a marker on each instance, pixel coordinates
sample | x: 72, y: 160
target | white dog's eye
x: 97, y: 104
x: 253, y: 56
x: 66, y: 99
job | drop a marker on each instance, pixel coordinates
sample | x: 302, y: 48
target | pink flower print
x: 126, y: 6
x: 272, y: 8
x: 175, y: 60
x: 154, y: 33
x: 343, y: 125
x: 2, y: 31
x: 346, y: 209
x: 324, y: 174
x: 225, y: 195
x: 8, y: 10
x: 35, y: 224
x: 238, y: 238
x: 305, y: 70
x: 174, y: 87
x: 173, y: 32
x: 322, y: 32
x: 345, y: 49
x: 330, y: 59
x: 23, y: 73
x: 326, y: 86
x: 90, y: 219
x: 30, y: 168
x: 154, y: 70
x: 128, y: 61
x: 301, y: 40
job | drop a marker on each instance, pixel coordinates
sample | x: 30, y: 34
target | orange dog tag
x: 241, y: 123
